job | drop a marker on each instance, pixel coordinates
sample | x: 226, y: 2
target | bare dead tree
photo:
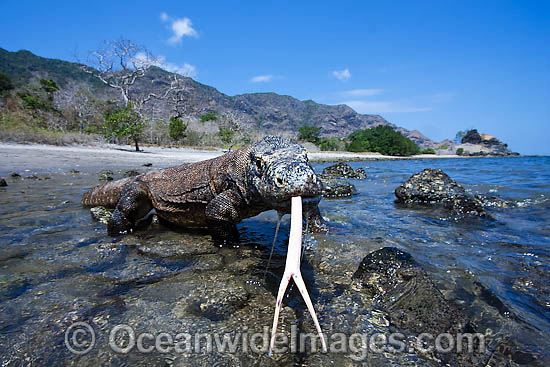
x: 179, y: 97
x: 120, y: 64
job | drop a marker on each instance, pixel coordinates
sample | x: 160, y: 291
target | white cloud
x: 160, y: 61
x: 342, y: 74
x: 363, y: 92
x: 180, y: 27
x: 262, y: 78
x: 384, y: 107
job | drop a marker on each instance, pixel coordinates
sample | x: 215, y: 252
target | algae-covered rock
x: 101, y: 214
x: 433, y: 186
x: 344, y: 170
x: 336, y: 188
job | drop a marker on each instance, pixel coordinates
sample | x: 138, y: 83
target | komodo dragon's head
x: 280, y: 170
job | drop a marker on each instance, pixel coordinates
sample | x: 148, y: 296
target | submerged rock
x: 397, y: 285
x: 336, y: 188
x: 105, y: 175
x: 433, y: 186
x: 344, y: 170
x: 101, y: 214
x: 401, y: 294
x: 131, y: 173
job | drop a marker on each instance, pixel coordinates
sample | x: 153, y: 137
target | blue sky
x: 438, y: 66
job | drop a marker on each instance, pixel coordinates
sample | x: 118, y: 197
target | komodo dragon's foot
x: 118, y: 224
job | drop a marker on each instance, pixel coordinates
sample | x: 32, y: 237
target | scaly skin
x: 216, y: 193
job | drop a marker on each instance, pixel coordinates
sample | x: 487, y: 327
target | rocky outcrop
x: 3, y: 182
x: 433, y: 186
x: 344, y: 170
x: 337, y: 188
x: 398, y: 286
x: 476, y: 144
x: 335, y: 185
x: 391, y: 281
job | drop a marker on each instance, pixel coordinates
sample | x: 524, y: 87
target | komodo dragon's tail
x: 107, y: 194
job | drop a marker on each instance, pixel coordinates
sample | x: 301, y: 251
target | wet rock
x: 105, y: 175
x: 396, y: 284
x: 336, y: 188
x: 493, y: 202
x: 101, y: 214
x: 216, y: 306
x: 74, y: 172
x: 433, y: 186
x: 15, y: 175
x: 147, y: 164
x: 187, y: 246
x: 131, y: 173
x: 344, y: 170
x: 393, y: 283
x: 3, y: 183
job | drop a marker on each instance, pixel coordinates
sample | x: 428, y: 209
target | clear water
x: 58, y: 266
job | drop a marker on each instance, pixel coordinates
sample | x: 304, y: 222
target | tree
x: 176, y: 128
x: 118, y: 65
x: 382, y: 139
x: 5, y: 83
x: 309, y: 133
x: 327, y: 144
x: 458, y: 137
x: 125, y: 121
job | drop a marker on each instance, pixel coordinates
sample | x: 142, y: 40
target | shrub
x: 443, y: 147
x: 176, y: 128
x: 382, y: 139
x: 309, y: 133
x: 34, y: 102
x: 427, y: 151
x: 459, y: 151
x: 209, y: 116
x: 48, y: 85
x: 329, y: 144
x: 5, y: 83
x: 226, y: 135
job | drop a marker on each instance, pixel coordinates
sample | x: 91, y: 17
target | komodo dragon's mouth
x: 308, y: 201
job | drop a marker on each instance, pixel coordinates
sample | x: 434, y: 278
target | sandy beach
x: 39, y: 158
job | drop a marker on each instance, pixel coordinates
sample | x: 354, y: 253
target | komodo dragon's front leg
x: 223, y: 213
x: 134, y: 204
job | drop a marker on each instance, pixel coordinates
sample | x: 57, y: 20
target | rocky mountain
x: 257, y: 113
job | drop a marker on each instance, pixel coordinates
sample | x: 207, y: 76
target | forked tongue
x: 292, y: 270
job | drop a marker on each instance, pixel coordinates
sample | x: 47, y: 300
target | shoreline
x: 42, y: 158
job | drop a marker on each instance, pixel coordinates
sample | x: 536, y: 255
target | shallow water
x: 58, y: 266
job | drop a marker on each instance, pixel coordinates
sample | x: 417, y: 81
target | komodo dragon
x: 216, y: 193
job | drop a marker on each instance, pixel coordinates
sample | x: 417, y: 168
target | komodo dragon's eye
x: 259, y: 166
